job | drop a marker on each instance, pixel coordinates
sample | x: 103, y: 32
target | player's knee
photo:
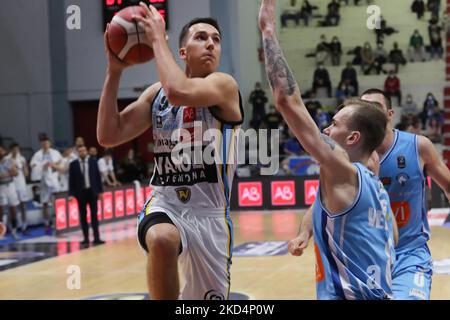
x: 163, y: 242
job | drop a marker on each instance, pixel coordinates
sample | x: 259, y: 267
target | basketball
x: 127, y: 39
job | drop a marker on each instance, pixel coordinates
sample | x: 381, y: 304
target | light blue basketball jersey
x: 403, y: 178
x: 355, y: 248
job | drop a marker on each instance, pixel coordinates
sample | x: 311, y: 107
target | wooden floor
x: 119, y: 267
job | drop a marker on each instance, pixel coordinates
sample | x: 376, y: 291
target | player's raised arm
x: 114, y: 127
x: 186, y: 88
x: 287, y: 97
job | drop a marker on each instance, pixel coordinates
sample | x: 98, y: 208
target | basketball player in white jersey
x: 20, y: 182
x: 187, y: 218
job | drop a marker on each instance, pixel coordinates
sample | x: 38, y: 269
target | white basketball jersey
x: 203, y: 180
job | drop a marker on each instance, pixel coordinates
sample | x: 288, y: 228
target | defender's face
x: 338, y: 130
x: 202, y: 50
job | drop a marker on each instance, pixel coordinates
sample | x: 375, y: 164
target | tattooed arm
x: 287, y: 96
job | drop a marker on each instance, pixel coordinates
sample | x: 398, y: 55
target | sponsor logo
x: 250, y: 194
x: 145, y: 296
x: 441, y: 267
x: 311, y: 188
x: 61, y: 215
x: 73, y: 213
x: 283, y: 193
x: 401, y: 162
x: 401, y: 212
x: 402, y: 179
x: 213, y: 295
x: 183, y: 194
x: 164, y: 104
x: 130, y: 200
x: 119, y: 204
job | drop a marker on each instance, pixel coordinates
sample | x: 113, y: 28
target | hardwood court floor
x: 119, y: 267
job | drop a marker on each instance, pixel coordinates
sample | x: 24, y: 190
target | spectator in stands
x: 367, y: 58
x: 8, y: 193
x: 381, y: 58
x: 428, y: 108
x: 418, y: 7
x: 20, y: 182
x: 434, y: 6
x: 106, y: 167
x: 349, y: 75
x: 396, y: 57
x: 313, y: 104
x: 290, y: 12
x: 322, y: 119
x: 434, y: 32
x: 383, y: 30
x: 306, y: 11
x: 335, y: 51
x: 93, y: 153
x: 344, y: 91
x: 392, y: 87
x: 45, y: 166
x: 357, y: 52
x: 445, y: 25
x: 64, y: 172
x: 409, y: 108
x: 258, y: 99
x: 132, y: 167
x: 409, y: 124
x: 416, y: 47
x: 79, y: 141
x: 322, y: 50
x: 321, y: 79
x: 333, y: 16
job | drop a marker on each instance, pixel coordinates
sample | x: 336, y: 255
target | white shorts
x: 8, y: 195
x: 22, y: 193
x: 46, y: 193
x: 207, y: 243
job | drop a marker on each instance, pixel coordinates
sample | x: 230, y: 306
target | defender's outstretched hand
x: 266, y: 19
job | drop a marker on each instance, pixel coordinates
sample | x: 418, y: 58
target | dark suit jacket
x: 76, y: 179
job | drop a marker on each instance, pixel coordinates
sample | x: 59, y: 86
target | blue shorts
x: 411, y: 275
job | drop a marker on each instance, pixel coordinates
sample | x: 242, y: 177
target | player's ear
x: 182, y: 53
x: 353, y: 138
x: 391, y: 113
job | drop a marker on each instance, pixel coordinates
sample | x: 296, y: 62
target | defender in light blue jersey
x: 352, y: 229
x: 403, y: 159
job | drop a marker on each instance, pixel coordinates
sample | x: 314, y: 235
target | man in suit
x: 86, y: 186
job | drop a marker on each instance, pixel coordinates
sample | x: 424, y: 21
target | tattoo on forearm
x: 278, y: 72
x: 329, y: 141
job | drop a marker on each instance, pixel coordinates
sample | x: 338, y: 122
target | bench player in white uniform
x: 8, y: 194
x: 19, y: 181
x: 187, y: 217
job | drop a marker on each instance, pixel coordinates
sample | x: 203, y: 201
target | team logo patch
x: 402, y: 179
x: 213, y: 295
x: 183, y: 194
x: 401, y: 162
x: 163, y: 104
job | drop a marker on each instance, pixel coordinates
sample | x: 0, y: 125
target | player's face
x: 45, y: 145
x: 338, y: 129
x: 2, y: 153
x: 202, y: 49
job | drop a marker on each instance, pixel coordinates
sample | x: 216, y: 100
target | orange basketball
x: 127, y: 39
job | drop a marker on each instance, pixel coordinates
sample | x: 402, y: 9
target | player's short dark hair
x: 369, y: 120
x: 185, y: 30
x: 387, y: 98
x: 13, y: 145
